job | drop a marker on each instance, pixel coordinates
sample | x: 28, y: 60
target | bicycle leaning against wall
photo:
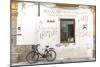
x: 34, y: 55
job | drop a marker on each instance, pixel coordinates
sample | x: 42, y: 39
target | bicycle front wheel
x: 51, y: 55
x: 32, y: 57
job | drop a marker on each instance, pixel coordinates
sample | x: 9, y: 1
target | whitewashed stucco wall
x: 83, y: 46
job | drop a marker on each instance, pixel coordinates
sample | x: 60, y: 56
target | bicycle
x: 34, y: 55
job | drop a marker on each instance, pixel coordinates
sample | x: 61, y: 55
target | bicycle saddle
x: 47, y: 46
x: 38, y: 44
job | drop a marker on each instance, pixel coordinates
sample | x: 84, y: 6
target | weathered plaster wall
x: 18, y: 52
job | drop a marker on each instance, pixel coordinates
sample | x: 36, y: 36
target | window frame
x: 67, y: 19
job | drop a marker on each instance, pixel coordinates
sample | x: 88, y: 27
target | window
x: 67, y: 30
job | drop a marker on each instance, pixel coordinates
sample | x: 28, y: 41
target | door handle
x: 19, y: 28
x: 18, y: 34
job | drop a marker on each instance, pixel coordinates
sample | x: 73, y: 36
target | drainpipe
x: 38, y: 16
x: 38, y: 8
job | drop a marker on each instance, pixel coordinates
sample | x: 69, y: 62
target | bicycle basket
x: 34, y: 47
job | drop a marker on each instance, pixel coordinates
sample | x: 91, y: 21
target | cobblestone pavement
x: 43, y: 61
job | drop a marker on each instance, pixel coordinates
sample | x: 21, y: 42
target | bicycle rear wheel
x: 32, y: 57
x: 51, y: 55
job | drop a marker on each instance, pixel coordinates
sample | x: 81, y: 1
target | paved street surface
x: 43, y: 61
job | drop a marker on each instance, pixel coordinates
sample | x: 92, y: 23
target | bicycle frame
x: 43, y: 55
